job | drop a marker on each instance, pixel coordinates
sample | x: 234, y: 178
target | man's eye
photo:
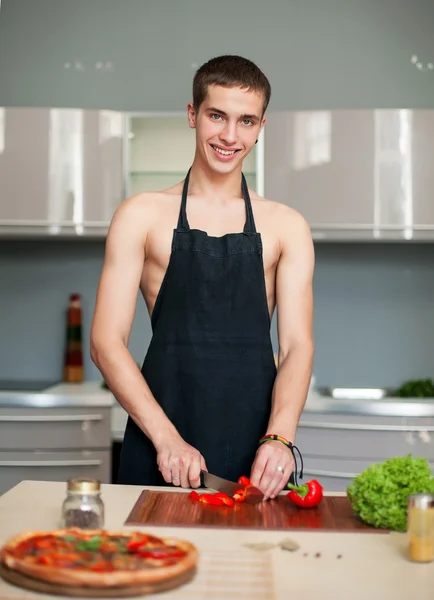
x: 248, y: 122
x: 215, y: 116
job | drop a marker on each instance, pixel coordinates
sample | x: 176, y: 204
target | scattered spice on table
x: 286, y: 544
x: 289, y: 544
x: 260, y: 546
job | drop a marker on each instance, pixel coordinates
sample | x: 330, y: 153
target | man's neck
x: 207, y: 183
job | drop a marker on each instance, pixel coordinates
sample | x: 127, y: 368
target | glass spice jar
x: 420, y: 527
x: 83, y: 506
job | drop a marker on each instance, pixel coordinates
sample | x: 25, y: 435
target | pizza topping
x: 99, y: 552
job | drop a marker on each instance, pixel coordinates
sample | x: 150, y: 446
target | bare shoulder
x: 136, y: 215
x: 287, y: 224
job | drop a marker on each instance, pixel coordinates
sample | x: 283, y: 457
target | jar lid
x: 422, y: 501
x: 83, y: 484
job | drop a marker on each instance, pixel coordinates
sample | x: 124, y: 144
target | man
x: 212, y: 260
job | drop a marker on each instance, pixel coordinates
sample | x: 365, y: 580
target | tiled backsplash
x: 374, y: 309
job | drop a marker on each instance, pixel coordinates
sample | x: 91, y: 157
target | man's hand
x: 265, y: 473
x: 180, y: 463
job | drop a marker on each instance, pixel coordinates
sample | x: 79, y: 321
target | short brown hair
x: 230, y: 71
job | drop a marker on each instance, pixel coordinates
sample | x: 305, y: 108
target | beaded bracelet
x: 274, y: 437
x: 271, y: 437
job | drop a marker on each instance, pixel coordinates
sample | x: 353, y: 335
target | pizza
x: 99, y: 558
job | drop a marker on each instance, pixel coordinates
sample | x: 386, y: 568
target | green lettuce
x: 379, y: 493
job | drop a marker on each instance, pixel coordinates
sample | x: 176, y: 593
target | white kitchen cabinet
x: 54, y: 444
x: 338, y: 446
x: 354, y: 174
x: 61, y: 170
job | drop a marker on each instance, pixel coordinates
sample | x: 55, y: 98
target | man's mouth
x: 224, y: 152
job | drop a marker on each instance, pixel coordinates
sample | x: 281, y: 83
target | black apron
x: 210, y: 362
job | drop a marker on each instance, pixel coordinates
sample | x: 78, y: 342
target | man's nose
x: 229, y: 134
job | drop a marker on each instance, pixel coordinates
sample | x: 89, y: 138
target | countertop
x: 386, y: 407
x: 88, y: 393
x: 372, y: 566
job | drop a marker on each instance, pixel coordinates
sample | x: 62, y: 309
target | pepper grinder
x: 73, y: 365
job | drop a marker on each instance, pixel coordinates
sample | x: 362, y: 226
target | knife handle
x: 202, y: 479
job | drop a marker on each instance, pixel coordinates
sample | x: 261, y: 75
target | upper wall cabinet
x: 61, y: 170
x: 354, y: 175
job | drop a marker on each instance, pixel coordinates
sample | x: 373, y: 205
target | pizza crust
x: 82, y: 577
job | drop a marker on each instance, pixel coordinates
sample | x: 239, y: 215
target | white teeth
x: 224, y: 152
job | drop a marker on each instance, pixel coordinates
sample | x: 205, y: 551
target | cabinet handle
x: 51, y: 418
x: 51, y: 463
x: 360, y: 427
x: 330, y: 474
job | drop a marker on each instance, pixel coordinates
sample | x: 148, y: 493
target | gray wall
x: 373, y: 319
x: 373, y: 310
x: 317, y: 53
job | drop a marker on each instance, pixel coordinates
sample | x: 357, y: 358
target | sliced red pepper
x: 45, y: 560
x: 194, y: 495
x: 227, y: 500
x: 307, y: 495
x: 210, y: 499
x: 239, y: 495
x: 135, y: 544
x: 243, y: 480
x: 162, y: 553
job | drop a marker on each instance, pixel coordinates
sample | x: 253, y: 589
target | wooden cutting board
x: 176, y: 509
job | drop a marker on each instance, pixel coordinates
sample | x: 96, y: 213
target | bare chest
x: 159, y: 247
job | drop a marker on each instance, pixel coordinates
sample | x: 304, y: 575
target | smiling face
x: 227, y: 123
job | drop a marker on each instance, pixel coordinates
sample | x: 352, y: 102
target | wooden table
x: 327, y: 564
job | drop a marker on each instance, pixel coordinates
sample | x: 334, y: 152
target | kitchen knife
x: 253, y: 494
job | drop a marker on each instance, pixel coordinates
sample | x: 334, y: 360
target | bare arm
x: 113, y: 318
x: 294, y: 324
x: 296, y: 349
x: 178, y: 462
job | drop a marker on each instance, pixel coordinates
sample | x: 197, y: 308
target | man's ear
x: 191, y: 113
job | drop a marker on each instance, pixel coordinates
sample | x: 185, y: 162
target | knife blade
x: 253, y: 494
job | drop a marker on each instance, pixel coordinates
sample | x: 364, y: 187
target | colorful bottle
x: 73, y: 367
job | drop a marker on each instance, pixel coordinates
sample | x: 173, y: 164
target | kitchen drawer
x: 52, y: 466
x: 371, y: 441
x: 59, y: 428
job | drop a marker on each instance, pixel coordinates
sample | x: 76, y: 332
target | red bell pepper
x: 307, y: 495
x: 194, y: 495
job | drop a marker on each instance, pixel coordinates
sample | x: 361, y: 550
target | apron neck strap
x: 182, y: 219
x: 249, y: 226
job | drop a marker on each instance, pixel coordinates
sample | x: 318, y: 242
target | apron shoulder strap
x: 182, y: 219
x: 249, y: 226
